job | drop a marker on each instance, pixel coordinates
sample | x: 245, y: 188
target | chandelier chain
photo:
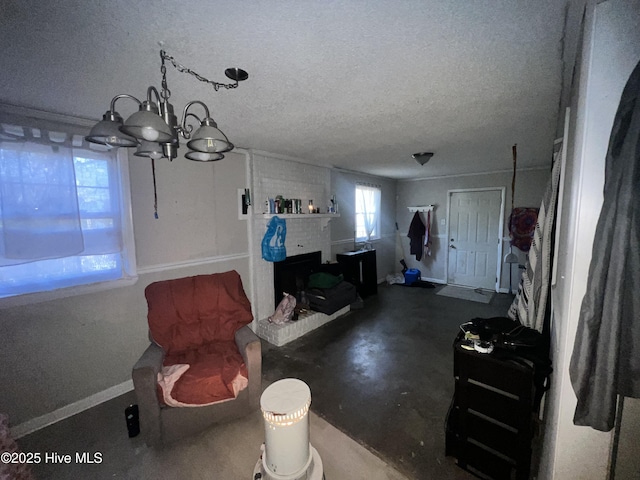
x: 182, y: 69
x: 166, y: 93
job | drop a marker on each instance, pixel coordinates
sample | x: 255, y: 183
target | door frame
x: 500, y: 232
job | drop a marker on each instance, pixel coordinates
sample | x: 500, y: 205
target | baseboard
x: 67, y: 411
x: 434, y: 280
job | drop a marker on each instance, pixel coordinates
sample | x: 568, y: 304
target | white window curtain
x: 63, y: 221
x: 367, y: 212
x: 38, y: 199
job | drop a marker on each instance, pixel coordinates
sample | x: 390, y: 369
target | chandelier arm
x: 184, y: 129
x: 196, y: 102
x: 153, y: 90
x: 182, y: 69
x: 112, y: 108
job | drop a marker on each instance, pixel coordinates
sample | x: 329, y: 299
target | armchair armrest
x: 251, y: 349
x: 145, y: 380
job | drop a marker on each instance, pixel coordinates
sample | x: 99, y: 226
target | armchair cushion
x: 216, y: 372
x: 194, y: 320
x: 186, y: 313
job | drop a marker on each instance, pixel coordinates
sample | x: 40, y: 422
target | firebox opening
x: 292, y: 274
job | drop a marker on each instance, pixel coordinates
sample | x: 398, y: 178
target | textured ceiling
x: 359, y: 85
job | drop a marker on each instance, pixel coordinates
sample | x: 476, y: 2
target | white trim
x: 561, y: 180
x: 438, y: 177
x: 355, y: 172
x: 434, y: 280
x: 278, y: 156
x: 67, y: 411
x: 253, y: 282
x: 344, y: 241
x: 39, y: 297
x: 161, y: 267
x: 49, y: 116
x: 128, y: 238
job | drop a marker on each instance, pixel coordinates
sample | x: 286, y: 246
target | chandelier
x: 154, y: 129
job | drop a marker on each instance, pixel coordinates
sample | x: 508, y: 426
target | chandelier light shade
x: 156, y: 122
x: 149, y: 149
x: 147, y: 124
x: 203, y: 157
x: 209, y: 139
x: 107, y: 132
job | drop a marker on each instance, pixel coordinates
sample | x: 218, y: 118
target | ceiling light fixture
x: 422, y: 157
x: 154, y: 128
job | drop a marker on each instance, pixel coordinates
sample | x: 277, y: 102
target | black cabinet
x: 359, y: 268
x: 491, y: 419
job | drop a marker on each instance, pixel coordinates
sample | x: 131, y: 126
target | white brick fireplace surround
x: 273, y: 175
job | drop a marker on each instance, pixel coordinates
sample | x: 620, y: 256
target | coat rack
x: 422, y: 208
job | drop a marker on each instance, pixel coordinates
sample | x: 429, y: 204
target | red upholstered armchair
x: 204, y: 363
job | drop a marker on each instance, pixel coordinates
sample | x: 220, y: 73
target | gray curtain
x: 605, y: 363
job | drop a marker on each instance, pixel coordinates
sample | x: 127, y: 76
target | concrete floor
x: 226, y: 451
x: 384, y: 374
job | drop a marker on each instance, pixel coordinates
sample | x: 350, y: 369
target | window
x: 367, y: 212
x: 64, y: 208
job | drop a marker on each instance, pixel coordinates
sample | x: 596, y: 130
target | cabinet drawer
x: 504, y: 409
x: 473, y: 457
x: 508, y: 376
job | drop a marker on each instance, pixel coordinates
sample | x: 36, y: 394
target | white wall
x: 56, y: 353
x: 530, y: 185
x: 610, y: 50
x: 274, y: 175
x: 343, y: 185
x: 197, y: 209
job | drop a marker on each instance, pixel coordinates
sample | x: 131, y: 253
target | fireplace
x: 291, y: 274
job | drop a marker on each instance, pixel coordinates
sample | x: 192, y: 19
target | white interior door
x: 474, y: 237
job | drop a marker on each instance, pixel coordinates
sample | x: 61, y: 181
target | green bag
x: 324, y: 280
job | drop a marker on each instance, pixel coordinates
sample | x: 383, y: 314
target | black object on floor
x: 330, y: 300
x: 417, y: 283
x: 133, y: 420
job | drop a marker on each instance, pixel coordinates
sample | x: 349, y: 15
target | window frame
x: 129, y: 266
x: 378, y: 214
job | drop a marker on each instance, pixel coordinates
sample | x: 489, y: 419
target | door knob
x: 452, y: 246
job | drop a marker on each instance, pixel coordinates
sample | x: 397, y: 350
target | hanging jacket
x: 606, y: 359
x: 416, y: 232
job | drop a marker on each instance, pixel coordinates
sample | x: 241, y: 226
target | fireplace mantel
x: 300, y: 216
x: 325, y: 217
